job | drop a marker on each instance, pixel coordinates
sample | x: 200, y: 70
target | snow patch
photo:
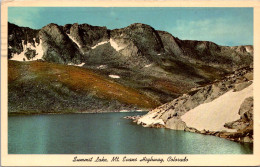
x: 124, y: 111
x: 148, y: 65
x: 79, y: 65
x: 74, y: 40
x: 114, y: 76
x: 115, y: 45
x: 132, y: 111
x: 38, y: 49
x: 249, y: 49
x: 140, y: 110
x: 102, y: 67
x: 100, y: 43
x: 19, y: 57
x: 213, y: 115
x: 159, y: 54
x: 149, y: 120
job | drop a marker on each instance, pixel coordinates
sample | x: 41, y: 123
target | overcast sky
x: 224, y: 26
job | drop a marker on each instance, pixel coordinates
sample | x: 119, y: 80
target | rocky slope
x: 223, y: 108
x: 155, y: 63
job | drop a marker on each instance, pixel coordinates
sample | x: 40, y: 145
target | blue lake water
x: 107, y: 133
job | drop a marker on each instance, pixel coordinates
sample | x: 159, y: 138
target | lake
x: 107, y: 133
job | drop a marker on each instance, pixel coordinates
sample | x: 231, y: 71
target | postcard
x: 130, y: 83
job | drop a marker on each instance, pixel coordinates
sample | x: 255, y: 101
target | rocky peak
x: 145, y: 34
x: 58, y: 47
x: 139, y: 26
x: 20, y: 36
x: 138, y: 44
x: 55, y: 32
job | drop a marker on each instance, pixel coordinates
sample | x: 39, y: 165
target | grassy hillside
x: 48, y: 87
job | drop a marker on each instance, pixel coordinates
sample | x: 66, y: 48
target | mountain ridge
x: 155, y: 63
x: 133, y: 24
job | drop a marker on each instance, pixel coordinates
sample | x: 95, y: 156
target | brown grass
x: 13, y: 71
x: 85, y: 81
x: 170, y: 86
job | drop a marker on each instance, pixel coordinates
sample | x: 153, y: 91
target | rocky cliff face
x: 153, y: 62
x: 223, y: 108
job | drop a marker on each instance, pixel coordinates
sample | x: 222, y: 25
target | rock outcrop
x: 223, y: 108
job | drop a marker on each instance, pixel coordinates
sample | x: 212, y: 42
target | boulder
x: 249, y: 75
x: 246, y: 109
x: 241, y: 86
x: 175, y: 124
x: 247, y: 139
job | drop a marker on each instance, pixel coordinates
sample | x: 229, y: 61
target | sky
x: 224, y: 26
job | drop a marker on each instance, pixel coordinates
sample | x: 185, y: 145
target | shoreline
x: 231, y: 136
x: 84, y: 112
